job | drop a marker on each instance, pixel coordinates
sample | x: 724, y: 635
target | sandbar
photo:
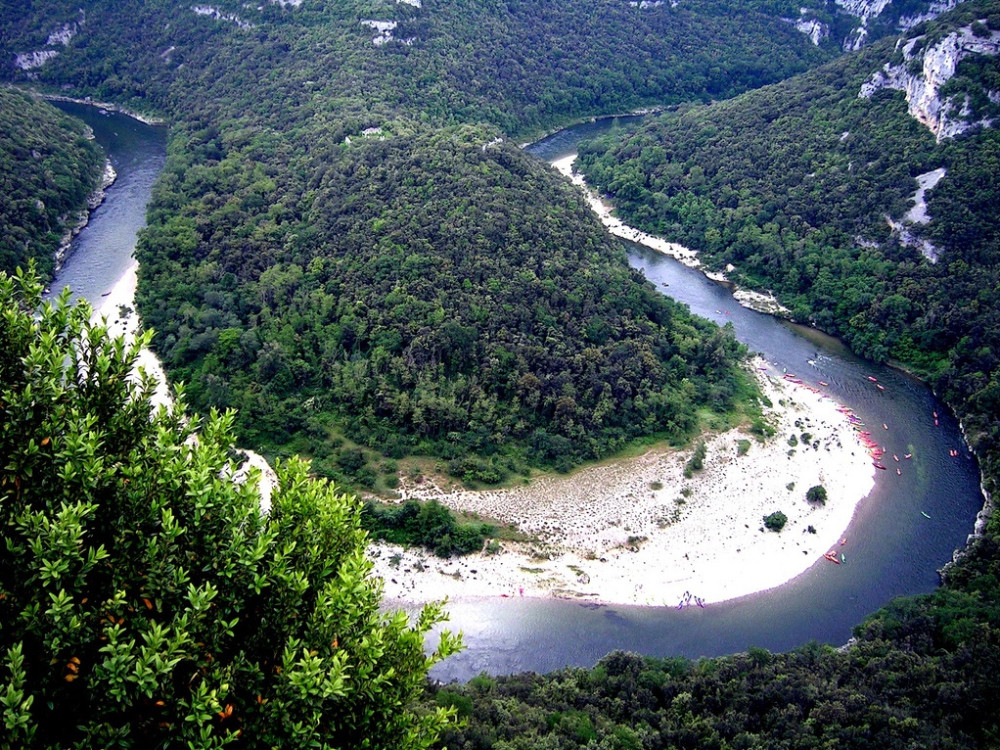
x: 638, y: 531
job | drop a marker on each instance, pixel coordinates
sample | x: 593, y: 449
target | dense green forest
x: 285, y: 269
x: 332, y: 200
x: 48, y: 168
x: 461, y: 328
x: 792, y: 184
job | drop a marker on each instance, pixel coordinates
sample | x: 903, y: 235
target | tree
x: 776, y: 521
x: 145, y: 598
x: 817, y: 494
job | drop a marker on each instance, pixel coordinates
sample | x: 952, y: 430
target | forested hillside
x: 48, y: 168
x: 806, y: 188
x: 346, y: 244
x: 287, y: 272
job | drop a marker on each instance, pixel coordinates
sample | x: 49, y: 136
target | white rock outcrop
x: 934, y: 10
x: 62, y: 35
x: 937, y: 67
x: 855, y: 40
x: 863, y: 9
x: 384, y: 35
x: 218, y: 15
x: 32, y: 60
x: 815, y: 30
x: 918, y: 215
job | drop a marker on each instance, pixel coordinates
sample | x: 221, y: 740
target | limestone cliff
x: 865, y: 20
x: 58, y: 37
x: 923, y: 72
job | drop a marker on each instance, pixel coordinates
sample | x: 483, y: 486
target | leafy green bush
x: 776, y: 521
x: 697, y: 460
x: 817, y: 494
x: 429, y: 524
x: 146, y: 599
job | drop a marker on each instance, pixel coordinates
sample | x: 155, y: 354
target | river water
x: 894, y: 549
x: 103, y: 250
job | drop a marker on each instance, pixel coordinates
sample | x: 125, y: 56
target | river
x: 895, y: 549
x: 102, y: 251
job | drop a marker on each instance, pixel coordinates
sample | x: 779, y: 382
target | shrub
x: 146, y: 599
x: 697, y: 460
x: 776, y: 521
x: 817, y: 494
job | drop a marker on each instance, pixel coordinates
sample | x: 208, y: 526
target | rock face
x: 32, y: 60
x: 212, y: 12
x: 815, y: 30
x: 60, y: 36
x: 933, y: 11
x: 63, y: 34
x: 888, y: 12
x: 863, y: 9
x: 937, y: 66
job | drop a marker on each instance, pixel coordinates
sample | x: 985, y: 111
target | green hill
x: 48, y: 168
x: 799, y: 186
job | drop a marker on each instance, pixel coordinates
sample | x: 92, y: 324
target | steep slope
x: 869, y: 215
x: 48, y: 169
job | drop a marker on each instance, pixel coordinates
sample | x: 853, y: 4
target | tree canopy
x: 48, y: 168
x: 146, y: 600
